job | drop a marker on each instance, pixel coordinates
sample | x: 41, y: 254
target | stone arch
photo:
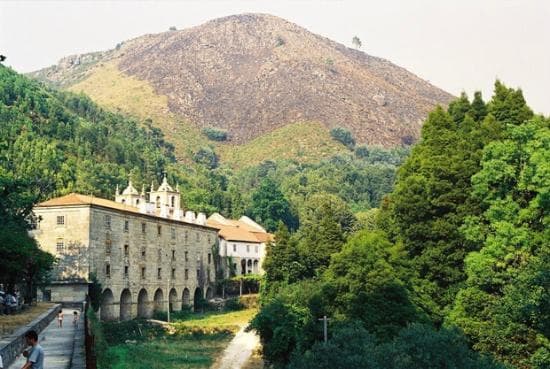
x: 209, y: 293
x: 185, y: 300
x: 256, y: 266
x: 172, y: 299
x: 243, y: 266
x: 197, y: 298
x: 249, y: 266
x: 143, y: 304
x: 126, y: 305
x: 159, y: 299
x: 107, y: 311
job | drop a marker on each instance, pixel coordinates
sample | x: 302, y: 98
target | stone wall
x: 13, y: 345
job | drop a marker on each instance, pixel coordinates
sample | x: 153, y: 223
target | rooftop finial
x: 152, y: 187
x: 117, y: 191
x: 143, y: 190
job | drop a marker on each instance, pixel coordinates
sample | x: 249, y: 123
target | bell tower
x: 166, y: 200
x: 130, y: 196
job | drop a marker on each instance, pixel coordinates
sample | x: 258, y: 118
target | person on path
x: 35, y: 357
x: 60, y: 319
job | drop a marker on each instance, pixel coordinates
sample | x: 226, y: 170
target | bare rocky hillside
x: 251, y: 74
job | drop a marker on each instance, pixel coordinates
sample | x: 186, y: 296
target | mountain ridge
x: 252, y: 74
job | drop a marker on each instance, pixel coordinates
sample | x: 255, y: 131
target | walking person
x: 35, y: 357
x: 75, y: 319
x: 60, y: 319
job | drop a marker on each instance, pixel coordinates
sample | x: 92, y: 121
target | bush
x: 215, y: 134
x: 207, y: 157
x: 344, y: 136
x: 233, y: 304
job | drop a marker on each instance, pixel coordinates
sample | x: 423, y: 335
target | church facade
x: 145, y: 251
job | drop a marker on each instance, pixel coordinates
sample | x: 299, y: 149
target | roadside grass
x: 9, y: 323
x: 215, y: 321
x: 194, y: 341
x: 180, y: 351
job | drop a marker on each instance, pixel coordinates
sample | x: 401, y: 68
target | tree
x: 326, y: 222
x: 505, y: 307
x: 344, y: 136
x: 356, y: 42
x: 283, y: 262
x: 367, y: 287
x: 269, y: 206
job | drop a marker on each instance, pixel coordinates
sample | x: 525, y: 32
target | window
x: 59, y: 246
x: 126, y: 250
x: 159, y: 273
x: 173, y: 201
x: 108, y: 270
x: 209, y: 258
x: 186, y: 274
x: 108, y: 221
x: 256, y: 247
x: 159, y: 230
x: 173, y: 233
x: 198, y: 274
x: 158, y: 202
x: 143, y: 253
x: 186, y: 255
x: 186, y: 235
x: 209, y: 239
x: 108, y: 246
x: 173, y: 255
x: 126, y: 226
x: 234, y: 248
x: 173, y: 273
x: 142, y: 272
x: 126, y: 271
x: 143, y: 227
x: 247, y: 248
x: 159, y: 254
x: 60, y: 220
x: 137, y: 202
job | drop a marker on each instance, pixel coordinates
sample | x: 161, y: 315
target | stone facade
x: 145, y: 262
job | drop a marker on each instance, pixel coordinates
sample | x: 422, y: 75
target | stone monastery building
x: 147, y: 253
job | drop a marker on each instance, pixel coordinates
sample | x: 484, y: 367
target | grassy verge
x: 194, y: 341
x: 9, y: 323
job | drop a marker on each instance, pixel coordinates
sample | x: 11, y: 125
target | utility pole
x: 325, y: 327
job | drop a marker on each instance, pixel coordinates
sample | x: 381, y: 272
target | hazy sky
x: 458, y: 45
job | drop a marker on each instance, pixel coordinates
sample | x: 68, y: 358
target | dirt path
x: 238, y: 351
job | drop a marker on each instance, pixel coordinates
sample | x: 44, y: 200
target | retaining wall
x: 13, y: 345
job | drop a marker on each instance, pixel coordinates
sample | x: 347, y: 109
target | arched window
x: 137, y: 202
x: 173, y: 201
x: 158, y: 202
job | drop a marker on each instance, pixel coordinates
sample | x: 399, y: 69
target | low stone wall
x: 12, y: 345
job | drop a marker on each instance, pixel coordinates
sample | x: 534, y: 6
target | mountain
x: 253, y: 75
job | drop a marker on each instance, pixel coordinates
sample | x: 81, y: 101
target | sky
x: 458, y: 45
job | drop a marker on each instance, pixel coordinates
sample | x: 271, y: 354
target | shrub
x: 344, y: 136
x: 215, y: 134
x: 207, y: 157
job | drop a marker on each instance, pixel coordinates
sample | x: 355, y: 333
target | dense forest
x: 452, y: 271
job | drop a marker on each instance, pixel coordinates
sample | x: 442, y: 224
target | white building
x: 242, y: 244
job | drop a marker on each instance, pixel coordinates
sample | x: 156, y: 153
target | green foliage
x: 432, y: 198
x: 207, y: 157
x: 269, y: 206
x: 215, y: 134
x: 344, y: 136
x: 366, y: 286
x: 418, y: 346
x: 505, y: 307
